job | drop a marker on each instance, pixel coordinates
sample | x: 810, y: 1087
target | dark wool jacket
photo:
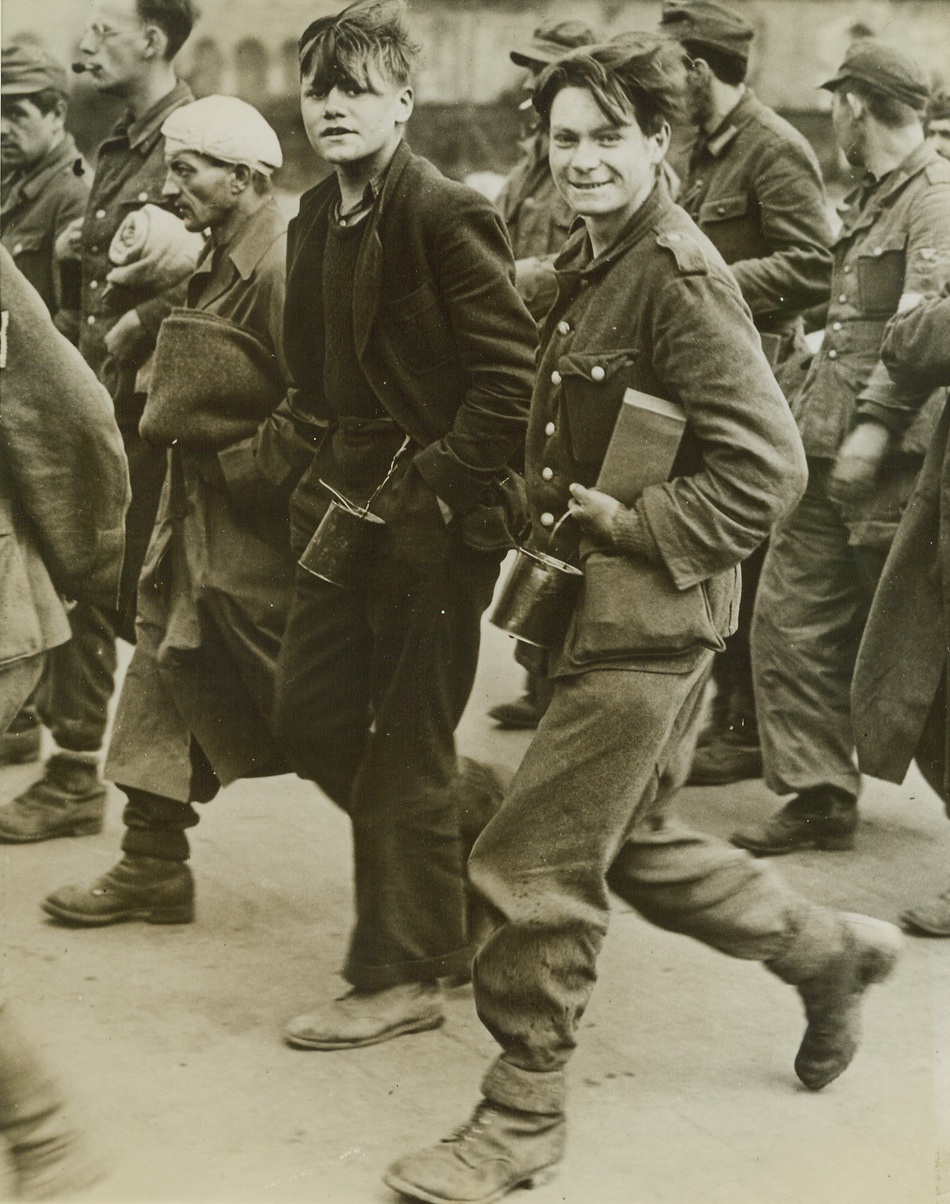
x: 904, y: 650
x: 444, y: 340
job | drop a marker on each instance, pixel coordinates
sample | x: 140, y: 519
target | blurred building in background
x: 466, y: 116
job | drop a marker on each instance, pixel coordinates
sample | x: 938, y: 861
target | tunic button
x: 91, y: 321
x: 93, y: 284
x: 832, y: 355
x: 18, y: 248
x: 720, y: 208
x: 563, y: 327
x: 100, y: 214
x: 835, y: 325
x: 547, y: 519
x: 842, y: 298
x: 847, y: 268
x: 555, y: 377
x: 547, y: 474
x: 878, y: 250
x: 549, y: 428
x: 597, y: 373
x: 143, y: 196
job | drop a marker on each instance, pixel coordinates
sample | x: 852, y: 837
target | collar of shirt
x: 248, y: 248
x: 728, y: 129
x: 578, y: 257
x: 136, y: 131
x: 64, y: 155
x: 878, y: 191
x: 364, y: 205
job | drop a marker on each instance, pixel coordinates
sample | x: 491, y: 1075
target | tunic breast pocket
x: 418, y: 331
x: 881, y: 279
x: 593, y: 385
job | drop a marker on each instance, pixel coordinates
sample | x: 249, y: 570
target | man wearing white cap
x: 194, y: 710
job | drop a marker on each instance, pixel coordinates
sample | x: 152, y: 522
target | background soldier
x: 128, y: 49
x: 754, y: 188
x: 865, y: 436
x: 938, y: 123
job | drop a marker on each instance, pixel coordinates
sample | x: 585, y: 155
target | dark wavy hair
x: 343, y: 47
x: 631, y: 73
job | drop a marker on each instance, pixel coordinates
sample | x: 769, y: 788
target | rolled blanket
x: 213, y: 382
x: 153, y: 250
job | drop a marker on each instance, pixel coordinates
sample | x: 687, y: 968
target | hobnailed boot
x: 137, y: 888
x: 833, y: 997
x: 68, y: 800
x: 49, y: 1155
x: 824, y: 817
x: 494, y: 1152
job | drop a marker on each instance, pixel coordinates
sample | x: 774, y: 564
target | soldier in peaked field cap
x: 708, y: 23
x: 754, y: 188
x: 29, y: 69
x: 884, y: 69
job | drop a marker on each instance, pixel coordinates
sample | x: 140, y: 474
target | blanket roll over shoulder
x: 213, y: 383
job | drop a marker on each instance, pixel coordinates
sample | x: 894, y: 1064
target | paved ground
x: 684, y: 1093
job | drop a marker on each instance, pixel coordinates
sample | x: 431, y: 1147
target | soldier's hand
x: 594, y: 512
x: 122, y: 341
x: 69, y: 241
x: 858, y: 463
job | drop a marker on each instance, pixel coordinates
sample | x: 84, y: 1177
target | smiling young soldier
x: 406, y: 338
x: 645, y: 303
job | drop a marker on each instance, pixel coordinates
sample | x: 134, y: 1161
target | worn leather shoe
x: 931, y: 918
x: 68, y: 800
x: 726, y: 758
x: 494, y: 1152
x: 361, y: 1018
x: 824, y: 818
x: 833, y: 998
x: 137, y: 888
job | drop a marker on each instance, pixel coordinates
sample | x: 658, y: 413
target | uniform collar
x: 578, y: 255
x: 145, y: 128
x: 728, y: 129
x: 252, y: 243
x: 64, y: 155
x: 871, y: 193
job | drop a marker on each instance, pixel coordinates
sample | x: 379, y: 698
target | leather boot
x: 68, y: 800
x: 49, y: 1156
x: 494, y: 1152
x: 526, y: 712
x: 137, y: 888
x: 363, y: 1017
x: 833, y: 997
x: 824, y: 817
x: 726, y: 758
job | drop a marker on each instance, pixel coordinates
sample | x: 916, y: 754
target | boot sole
x: 535, y: 1179
x: 823, y: 844
x: 82, y: 827
x: 184, y: 914
x: 397, y: 1030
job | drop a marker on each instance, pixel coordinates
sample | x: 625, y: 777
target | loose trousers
x: 814, y: 596
x: 371, y: 685
x: 589, y: 809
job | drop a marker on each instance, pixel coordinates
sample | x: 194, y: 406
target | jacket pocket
x: 418, y: 332
x: 724, y: 209
x: 594, y: 385
x: 629, y: 607
x: 881, y: 279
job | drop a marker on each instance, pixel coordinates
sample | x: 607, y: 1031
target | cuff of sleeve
x: 632, y: 536
x: 896, y: 419
x: 447, y: 478
x: 239, y: 468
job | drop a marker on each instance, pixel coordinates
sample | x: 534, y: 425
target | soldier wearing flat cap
x: 754, y: 188
x: 865, y: 435
x: 44, y: 178
x: 938, y: 123
x: 646, y: 310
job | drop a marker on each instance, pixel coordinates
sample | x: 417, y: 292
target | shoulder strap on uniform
x: 689, y: 255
